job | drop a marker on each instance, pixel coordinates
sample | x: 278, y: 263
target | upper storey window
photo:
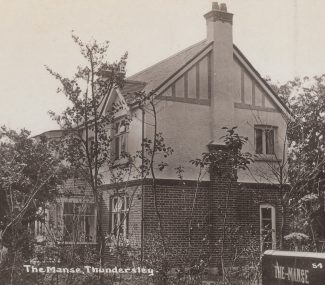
x: 265, y: 139
x: 120, y: 138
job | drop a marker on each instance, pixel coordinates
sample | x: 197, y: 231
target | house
x: 201, y: 89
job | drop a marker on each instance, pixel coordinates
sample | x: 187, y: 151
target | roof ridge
x: 165, y: 59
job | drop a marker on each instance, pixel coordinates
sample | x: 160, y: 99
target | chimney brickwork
x: 219, y: 31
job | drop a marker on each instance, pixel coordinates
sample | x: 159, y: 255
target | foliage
x: 231, y: 153
x: 30, y: 176
x: 86, y: 142
x: 306, y: 157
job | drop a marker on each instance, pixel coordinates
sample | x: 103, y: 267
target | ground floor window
x: 79, y: 222
x: 267, y: 227
x: 120, y: 216
x: 40, y: 226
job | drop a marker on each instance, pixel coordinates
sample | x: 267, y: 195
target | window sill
x: 79, y: 243
x: 122, y: 162
x: 266, y: 157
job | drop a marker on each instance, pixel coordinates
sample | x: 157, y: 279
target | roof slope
x: 161, y: 71
x: 152, y: 77
x: 130, y: 87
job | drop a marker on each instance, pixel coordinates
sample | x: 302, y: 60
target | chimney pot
x: 215, y: 6
x: 223, y: 7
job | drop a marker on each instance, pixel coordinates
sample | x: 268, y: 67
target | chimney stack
x: 219, y: 31
x: 223, y: 7
x: 217, y: 14
x: 215, y: 6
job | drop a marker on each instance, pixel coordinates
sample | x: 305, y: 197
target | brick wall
x: 133, y: 191
x: 174, y: 199
x: 174, y: 203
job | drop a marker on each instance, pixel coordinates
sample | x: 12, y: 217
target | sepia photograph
x: 162, y: 142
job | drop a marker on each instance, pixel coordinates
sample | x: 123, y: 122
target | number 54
x: 319, y: 265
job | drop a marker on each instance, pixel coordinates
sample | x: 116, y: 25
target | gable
x: 251, y: 90
x: 249, y: 93
x: 191, y: 84
x: 186, y: 77
x: 116, y: 98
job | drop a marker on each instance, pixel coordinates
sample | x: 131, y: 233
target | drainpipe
x: 142, y: 182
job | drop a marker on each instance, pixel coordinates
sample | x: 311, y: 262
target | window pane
x: 266, y: 224
x: 115, y: 223
x: 259, y: 140
x: 117, y: 147
x: 122, y: 203
x: 122, y: 222
x: 79, y: 234
x: 122, y: 128
x: 89, y: 209
x: 127, y: 224
x: 123, y: 143
x: 127, y: 202
x: 79, y: 208
x: 267, y: 246
x: 115, y: 203
x: 88, y: 222
x: 92, y: 228
x: 68, y: 208
x: 266, y: 213
x: 116, y: 128
x: 269, y: 139
x: 68, y: 228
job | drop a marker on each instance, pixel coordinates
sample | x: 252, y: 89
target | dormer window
x: 120, y: 139
x: 122, y: 67
x: 265, y: 139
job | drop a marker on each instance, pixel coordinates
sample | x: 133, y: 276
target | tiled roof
x: 130, y: 87
x: 151, y: 78
x: 159, y: 72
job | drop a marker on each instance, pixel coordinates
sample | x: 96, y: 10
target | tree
x: 86, y: 142
x: 30, y: 176
x: 303, y: 170
x: 232, y: 155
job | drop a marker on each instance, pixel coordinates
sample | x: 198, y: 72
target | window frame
x: 264, y: 129
x: 122, y: 67
x: 91, y: 146
x: 40, y: 227
x: 118, y: 137
x: 273, y: 224
x: 114, y: 229
x: 61, y: 215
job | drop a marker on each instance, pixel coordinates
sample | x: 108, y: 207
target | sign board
x: 294, y: 268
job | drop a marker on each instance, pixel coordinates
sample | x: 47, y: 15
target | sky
x: 281, y: 38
